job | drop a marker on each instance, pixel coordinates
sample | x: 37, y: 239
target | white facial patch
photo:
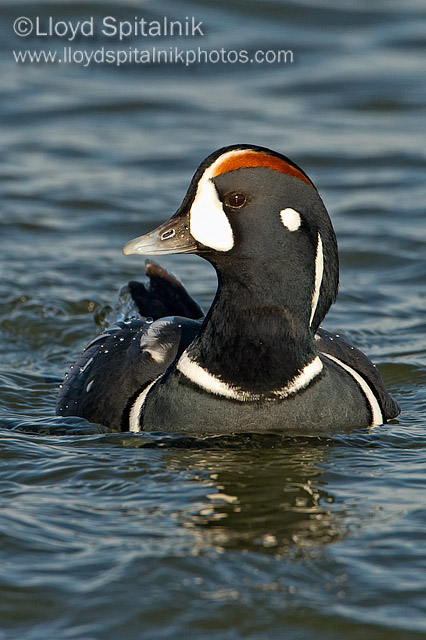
x: 290, y: 219
x: 319, y: 270
x: 208, y: 221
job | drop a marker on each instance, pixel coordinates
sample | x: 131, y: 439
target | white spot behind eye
x: 209, y: 223
x: 290, y: 219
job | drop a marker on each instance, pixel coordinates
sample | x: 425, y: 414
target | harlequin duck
x: 258, y: 361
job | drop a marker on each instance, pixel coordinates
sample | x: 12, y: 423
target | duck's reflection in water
x: 262, y: 498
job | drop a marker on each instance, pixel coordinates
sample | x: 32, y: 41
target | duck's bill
x: 171, y: 237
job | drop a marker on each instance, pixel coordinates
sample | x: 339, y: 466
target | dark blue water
x: 107, y: 535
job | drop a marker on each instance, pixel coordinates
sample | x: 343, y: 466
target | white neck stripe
x: 319, y: 269
x: 202, y: 378
x: 135, y: 411
x: 376, y: 413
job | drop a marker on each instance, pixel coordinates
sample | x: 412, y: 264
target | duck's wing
x: 335, y: 345
x: 118, y: 365
x: 164, y: 295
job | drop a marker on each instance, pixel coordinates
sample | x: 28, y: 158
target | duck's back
x: 335, y: 345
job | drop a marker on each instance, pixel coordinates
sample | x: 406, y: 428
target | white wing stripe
x: 377, y: 416
x: 135, y: 411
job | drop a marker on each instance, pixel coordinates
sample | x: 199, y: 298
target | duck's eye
x: 235, y: 200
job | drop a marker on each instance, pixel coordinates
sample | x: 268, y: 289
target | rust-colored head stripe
x: 257, y: 159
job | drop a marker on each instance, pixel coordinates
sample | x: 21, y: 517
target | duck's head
x: 249, y: 210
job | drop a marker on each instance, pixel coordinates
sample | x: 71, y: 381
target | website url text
x: 134, y: 55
